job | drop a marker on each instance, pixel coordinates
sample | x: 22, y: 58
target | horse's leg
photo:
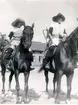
x: 3, y: 78
x: 10, y: 80
x: 26, y: 76
x: 46, y: 79
x: 69, y: 82
x: 54, y: 83
x: 59, y: 75
x: 17, y: 84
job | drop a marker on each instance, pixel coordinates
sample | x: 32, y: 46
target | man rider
x: 56, y: 34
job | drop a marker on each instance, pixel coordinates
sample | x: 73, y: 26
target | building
x: 37, y: 48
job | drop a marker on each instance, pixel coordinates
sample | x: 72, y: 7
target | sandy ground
x: 36, y: 93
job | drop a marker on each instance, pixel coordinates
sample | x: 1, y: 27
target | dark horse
x: 65, y: 62
x: 20, y: 60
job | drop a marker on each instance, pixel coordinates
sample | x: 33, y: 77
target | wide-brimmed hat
x: 58, y: 16
x: 18, y: 23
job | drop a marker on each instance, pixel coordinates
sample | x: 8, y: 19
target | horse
x: 21, y: 61
x: 65, y: 61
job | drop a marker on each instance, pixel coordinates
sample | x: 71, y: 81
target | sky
x: 39, y: 12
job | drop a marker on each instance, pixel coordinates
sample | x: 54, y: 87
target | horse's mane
x: 70, y: 40
x: 72, y: 34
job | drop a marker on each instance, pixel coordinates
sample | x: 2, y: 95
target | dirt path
x: 36, y: 93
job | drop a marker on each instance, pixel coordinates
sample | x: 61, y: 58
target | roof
x: 38, y: 46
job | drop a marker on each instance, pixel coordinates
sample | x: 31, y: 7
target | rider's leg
x: 48, y: 57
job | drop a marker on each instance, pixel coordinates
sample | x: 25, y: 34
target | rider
x: 56, y: 35
x: 17, y: 30
x: 19, y: 26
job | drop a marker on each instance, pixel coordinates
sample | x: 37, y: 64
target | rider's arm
x: 64, y: 35
x: 51, y: 30
x: 11, y: 34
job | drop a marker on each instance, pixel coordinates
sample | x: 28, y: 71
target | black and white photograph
x: 38, y: 51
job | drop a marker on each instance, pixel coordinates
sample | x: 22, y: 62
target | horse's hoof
x: 24, y: 101
x: 18, y: 101
x: 57, y: 101
x: 67, y: 101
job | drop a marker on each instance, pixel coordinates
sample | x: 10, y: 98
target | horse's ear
x: 33, y: 25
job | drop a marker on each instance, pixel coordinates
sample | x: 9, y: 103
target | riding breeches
x: 49, y: 54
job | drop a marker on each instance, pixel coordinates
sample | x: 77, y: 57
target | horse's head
x: 26, y: 39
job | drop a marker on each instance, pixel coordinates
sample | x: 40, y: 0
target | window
x: 40, y: 58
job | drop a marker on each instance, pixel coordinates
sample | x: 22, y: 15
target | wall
x: 37, y: 59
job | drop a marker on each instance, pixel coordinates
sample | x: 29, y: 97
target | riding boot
x: 45, y: 62
x: 48, y: 57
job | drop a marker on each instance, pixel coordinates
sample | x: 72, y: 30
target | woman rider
x: 19, y: 26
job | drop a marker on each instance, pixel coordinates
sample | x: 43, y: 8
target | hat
x: 18, y: 23
x: 58, y: 16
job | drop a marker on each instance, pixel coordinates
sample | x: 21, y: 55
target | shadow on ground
x: 32, y: 95
x: 62, y: 95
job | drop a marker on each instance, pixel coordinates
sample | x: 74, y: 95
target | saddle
x: 51, y: 51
